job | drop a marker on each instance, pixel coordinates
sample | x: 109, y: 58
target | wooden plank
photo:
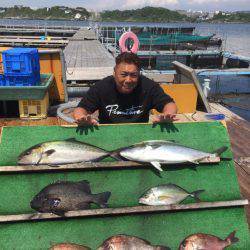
x: 243, y: 160
x: 89, y: 165
x: 122, y: 210
x: 33, y: 41
x: 244, y: 163
x: 88, y: 73
x: 87, y: 60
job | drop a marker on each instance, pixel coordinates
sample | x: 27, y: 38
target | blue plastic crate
x: 22, y: 80
x: 21, y: 61
x: 2, y: 80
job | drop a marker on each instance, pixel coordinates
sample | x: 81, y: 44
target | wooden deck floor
x: 239, y: 133
x: 86, y: 58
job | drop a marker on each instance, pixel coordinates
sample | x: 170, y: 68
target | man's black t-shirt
x: 115, y: 107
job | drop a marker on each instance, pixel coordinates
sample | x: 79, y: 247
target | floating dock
x: 86, y: 58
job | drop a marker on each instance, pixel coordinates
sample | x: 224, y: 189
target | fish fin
x: 53, y: 202
x: 49, y: 152
x: 173, y: 141
x: 157, y: 165
x: 195, y: 161
x: 163, y: 197
x: 196, y: 194
x: 41, y: 156
x: 83, y: 206
x: 231, y: 239
x: 193, y: 167
x: 116, y: 155
x: 53, y: 166
x: 58, y: 212
x: 157, y: 142
x: 71, y: 139
x: 101, y: 199
x: 84, y: 185
x: 220, y: 150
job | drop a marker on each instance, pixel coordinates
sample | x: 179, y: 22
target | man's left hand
x: 168, y: 114
x: 161, y: 118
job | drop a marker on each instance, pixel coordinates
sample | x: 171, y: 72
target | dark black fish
x: 64, y: 196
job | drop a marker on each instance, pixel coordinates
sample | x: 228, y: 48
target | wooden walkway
x: 41, y: 31
x: 239, y: 134
x: 86, y: 58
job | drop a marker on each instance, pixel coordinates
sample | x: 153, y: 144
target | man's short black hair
x: 128, y: 57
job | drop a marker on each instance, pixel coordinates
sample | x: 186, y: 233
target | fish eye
x: 28, y: 152
x: 56, y: 203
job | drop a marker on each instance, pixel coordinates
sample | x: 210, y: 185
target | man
x: 125, y: 97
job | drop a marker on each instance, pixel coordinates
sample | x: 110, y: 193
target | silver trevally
x: 159, y: 152
x: 167, y: 194
x: 61, y: 152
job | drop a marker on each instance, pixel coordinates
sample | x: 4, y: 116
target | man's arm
x: 168, y: 113
x: 83, y: 117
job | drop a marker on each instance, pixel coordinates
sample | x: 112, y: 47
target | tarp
x: 147, y: 38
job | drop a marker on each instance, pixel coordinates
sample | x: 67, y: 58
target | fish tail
x: 196, y: 194
x: 102, y: 199
x: 231, y: 239
x: 102, y: 157
x: 115, y: 154
x: 220, y: 150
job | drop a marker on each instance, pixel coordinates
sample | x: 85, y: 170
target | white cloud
x: 219, y: 2
x: 204, y: 1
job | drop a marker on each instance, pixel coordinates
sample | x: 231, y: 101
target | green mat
x: 169, y: 228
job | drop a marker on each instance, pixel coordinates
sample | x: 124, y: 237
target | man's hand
x: 161, y: 118
x: 87, y: 120
x: 83, y: 118
x: 168, y: 114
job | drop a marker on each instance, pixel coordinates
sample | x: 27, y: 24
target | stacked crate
x: 34, y: 109
x: 21, y: 68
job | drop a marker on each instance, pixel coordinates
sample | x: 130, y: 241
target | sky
x: 98, y: 5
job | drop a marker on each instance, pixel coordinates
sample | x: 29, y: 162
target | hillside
x: 147, y: 14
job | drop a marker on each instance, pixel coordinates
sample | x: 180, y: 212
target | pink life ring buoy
x: 124, y: 37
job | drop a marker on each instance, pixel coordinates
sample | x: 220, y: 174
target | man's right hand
x: 84, y: 119
x: 87, y: 120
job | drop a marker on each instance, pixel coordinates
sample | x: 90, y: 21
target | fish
x: 207, y: 242
x: 125, y: 242
x: 68, y: 246
x: 64, y: 196
x: 61, y: 152
x: 159, y: 152
x: 167, y: 194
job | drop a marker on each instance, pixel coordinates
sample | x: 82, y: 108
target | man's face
x: 126, y: 77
